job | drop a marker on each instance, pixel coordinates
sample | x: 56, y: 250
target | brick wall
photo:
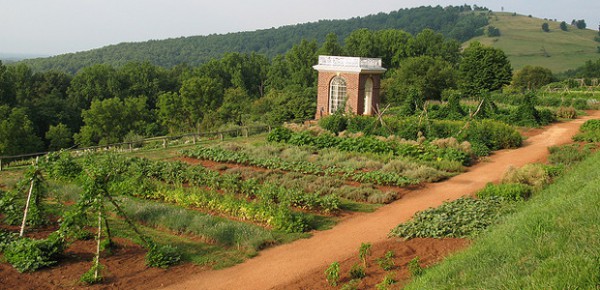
x: 355, y: 89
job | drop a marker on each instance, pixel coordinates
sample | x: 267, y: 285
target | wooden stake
x: 26, y: 208
x: 98, y: 244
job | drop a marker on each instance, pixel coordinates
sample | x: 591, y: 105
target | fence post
x: 245, y: 130
x: 221, y: 136
x: 194, y: 139
x: 165, y: 143
x: 0, y: 164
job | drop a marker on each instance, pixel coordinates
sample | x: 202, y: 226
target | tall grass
x: 213, y: 229
x: 553, y: 242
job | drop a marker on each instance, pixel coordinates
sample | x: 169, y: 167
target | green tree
x: 97, y: 82
x: 144, y: 79
x: 392, y: 46
x: 170, y: 113
x: 492, y: 31
x: 430, y: 43
x: 108, y: 121
x: 7, y: 94
x: 236, y: 107
x: 331, y: 46
x: 17, y: 135
x: 293, y: 103
x: 532, y: 77
x: 361, y: 42
x: 428, y: 75
x: 545, y: 27
x: 580, y: 24
x: 200, y: 96
x: 246, y: 71
x: 483, y: 69
x: 563, y: 26
x: 300, y: 59
x: 59, y: 137
x: 278, y: 75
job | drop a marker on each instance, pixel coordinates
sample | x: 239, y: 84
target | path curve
x: 284, y: 264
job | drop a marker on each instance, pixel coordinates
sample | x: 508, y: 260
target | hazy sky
x: 59, y: 26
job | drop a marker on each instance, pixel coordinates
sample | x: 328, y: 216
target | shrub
x: 357, y: 272
x: 533, y: 174
x: 460, y: 218
x: 279, y: 135
x: 567, y: 155
x: 162, y: 256
x: 28, y: 255
x: 387, y: 262
x: 590, y: 132
x: 493, y: 134
x: 480, y: 149
x: 332, y: 274
x: 566, y: 113
x: 382, y: 197
x: 510, y: 191
x: 335, y: 123
x: 361, y: 124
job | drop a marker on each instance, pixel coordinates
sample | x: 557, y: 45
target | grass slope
x: 553, y: 242
x: 524, y: 42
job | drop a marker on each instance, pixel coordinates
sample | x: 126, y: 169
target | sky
x: 51, y: 27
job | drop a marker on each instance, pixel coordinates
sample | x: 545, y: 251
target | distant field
x: 523, y: 40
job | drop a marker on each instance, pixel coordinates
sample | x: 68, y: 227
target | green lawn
x: 524, y: 42
x: 553, y: 242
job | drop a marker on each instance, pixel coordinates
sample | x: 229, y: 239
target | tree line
x: 102, y: 104
x: 458, y: 22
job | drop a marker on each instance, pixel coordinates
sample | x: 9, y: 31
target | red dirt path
x: 284, y: 266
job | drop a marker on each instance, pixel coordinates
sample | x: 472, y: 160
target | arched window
x: 368, y: 96
x: 337, y: 94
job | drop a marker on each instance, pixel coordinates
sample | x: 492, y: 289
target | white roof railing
x: 349, y: 63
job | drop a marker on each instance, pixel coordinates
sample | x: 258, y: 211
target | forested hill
x: 458, y: 22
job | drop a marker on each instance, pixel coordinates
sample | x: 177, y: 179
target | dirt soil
x: 125, y: 269
x: 300, y: 265
x: 429, y: 251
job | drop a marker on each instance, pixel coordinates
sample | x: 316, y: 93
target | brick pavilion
x: 354, y: 81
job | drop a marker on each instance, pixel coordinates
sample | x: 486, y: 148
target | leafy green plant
x: 5, y: 239
x: 279, y: 134
x: 334, y: 123
x: 510, y: 191
x: 388, y: 281
x: 332, y: 274
x: 351, y: 285
x: 363, y: 252
x: 567, y: 155
x: 387, y: 261
x: 590, y: 132
x: 357, y: 271
x: 93, y: 275
x: 28, y: 255
x: 162, y: 256
x: 414, y: 267
x: 460, y: 218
